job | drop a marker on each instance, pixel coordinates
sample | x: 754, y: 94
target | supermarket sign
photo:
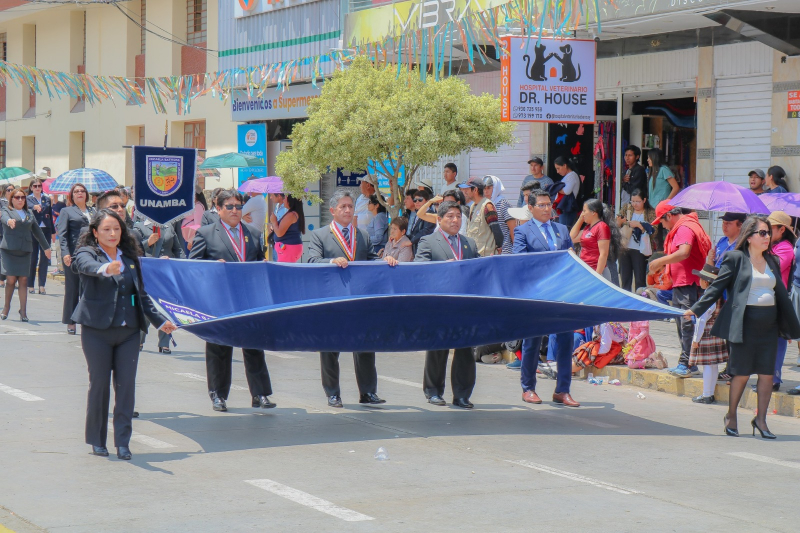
x: 246, y: 8
x: 548, y: 80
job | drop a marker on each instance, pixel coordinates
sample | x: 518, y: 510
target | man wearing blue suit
x: 538, y: 235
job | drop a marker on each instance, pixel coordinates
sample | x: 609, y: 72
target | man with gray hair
x: 339, y: 243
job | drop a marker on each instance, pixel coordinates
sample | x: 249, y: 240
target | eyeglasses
x: 544, y: 206
x: 78, y: 191
x: 115, y: 206
x: 230, y: 207
x: 18, y: 197
x: 419, y: 200
x: 10, y: 189
x: 762, y: 233
x: 36, y: 186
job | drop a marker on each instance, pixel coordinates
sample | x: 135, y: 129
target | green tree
x: 388, y: 115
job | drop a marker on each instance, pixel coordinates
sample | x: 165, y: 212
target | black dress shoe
x: 217, y: 402
x: 102, y: 451
x: 370, y: 397
x: 136, y: 414
x: 335, y: 401
x: 437, y: 400
x: 262, y: 402
x: 463, y: 403
x: 124, y: 453
x: 794, y: 392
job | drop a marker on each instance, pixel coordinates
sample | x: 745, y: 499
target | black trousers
x: 633, y: 267
x: 163, y: 339
x: 112, y: 355
x: 462, y: 373
x: 39, y: 259
x: 366, y: 372
x: 685, y: 297
x: 72, y: 289
x: 219, y: 360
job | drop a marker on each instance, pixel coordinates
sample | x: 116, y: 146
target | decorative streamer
x: 424, y: 48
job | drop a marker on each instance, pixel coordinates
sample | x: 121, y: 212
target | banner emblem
x: 164, y: 173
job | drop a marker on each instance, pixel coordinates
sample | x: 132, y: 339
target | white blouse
x: 762, y: 289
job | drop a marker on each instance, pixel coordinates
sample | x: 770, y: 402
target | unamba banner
x: 548, y: 80
x: 164, y: 182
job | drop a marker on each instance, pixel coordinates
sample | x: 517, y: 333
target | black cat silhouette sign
x: 548, y: 80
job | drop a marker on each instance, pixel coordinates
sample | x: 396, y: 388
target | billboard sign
x: 548, y: 80
x: 252, y: 141
x: 274, y: 104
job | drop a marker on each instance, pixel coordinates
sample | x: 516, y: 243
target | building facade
x: 66, y: 133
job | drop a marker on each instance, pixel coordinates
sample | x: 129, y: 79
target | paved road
x: 616, y: 463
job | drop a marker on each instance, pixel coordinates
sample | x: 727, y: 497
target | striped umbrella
x: 96, y: 181
x: 205, y: 172
x: 12, y: 172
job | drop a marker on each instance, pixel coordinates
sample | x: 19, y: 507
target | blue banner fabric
x: 370, y: 306
x: 164, y: 182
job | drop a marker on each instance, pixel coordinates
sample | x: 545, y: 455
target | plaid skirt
x: 711, y: 350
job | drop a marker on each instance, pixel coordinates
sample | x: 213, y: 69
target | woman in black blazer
x: 158, y: 241
x: 20, y: 228
x: 757, y: 311
x: 8, y: 190
x: 113, y: 308
x: 71, y: 221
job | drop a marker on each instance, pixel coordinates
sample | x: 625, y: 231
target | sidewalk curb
x: 659, y: 380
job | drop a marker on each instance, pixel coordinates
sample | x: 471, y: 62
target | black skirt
x: 756, y: 355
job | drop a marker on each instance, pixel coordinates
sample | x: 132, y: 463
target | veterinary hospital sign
x: 548, y: 80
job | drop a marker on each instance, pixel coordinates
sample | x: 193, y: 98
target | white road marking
x: 198, y: 377
x: 304, y: 498
x: 595, y: 423
x: 14, y: 330
x: 765, y: 459
x: 401, y: 381
x: 282, y: 355
x: 150, y: 441
x: 574, y: 477
x: 21, y: 394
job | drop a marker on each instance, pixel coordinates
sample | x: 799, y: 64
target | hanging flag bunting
x: 421, y: 42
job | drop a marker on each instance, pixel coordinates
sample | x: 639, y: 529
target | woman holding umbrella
x: 71, y: 222
x: 19, y: 229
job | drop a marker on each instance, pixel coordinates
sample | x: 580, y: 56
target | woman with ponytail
x: 599, y: 237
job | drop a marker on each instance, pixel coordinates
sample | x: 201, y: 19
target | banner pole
x: 166, y: 130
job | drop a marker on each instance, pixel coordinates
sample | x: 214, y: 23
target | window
x: 196, y: 19
x: 3, y: 154
x: 194, y: 135
x: 143, y: 24
x: 141, y: 136
x: 3, y: 47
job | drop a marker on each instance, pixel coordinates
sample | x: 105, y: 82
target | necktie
x: 453, y: 241
x: 546, y: 230
x: 235, y: 233
x: 346, y: 234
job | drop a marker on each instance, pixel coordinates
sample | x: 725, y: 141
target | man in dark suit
x: 538, y: 235
x: 228, y: 240
x: 420, y: 228
x: 340, y: 243
x: 445, y: 244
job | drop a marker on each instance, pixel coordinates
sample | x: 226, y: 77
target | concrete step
x: 660, y: 380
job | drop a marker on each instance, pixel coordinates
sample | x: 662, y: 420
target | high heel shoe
x: 22, y: 317
x: 765, y: 433
x: 3, y: 317
x: 164, y: 350
x: 728, y: 431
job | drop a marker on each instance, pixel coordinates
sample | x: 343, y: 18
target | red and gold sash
x: 458, y: 253
x: 240, y: 248
x: 348, y: 248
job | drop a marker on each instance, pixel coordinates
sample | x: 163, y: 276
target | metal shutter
x: 509, y: 163
x: 743, y: 128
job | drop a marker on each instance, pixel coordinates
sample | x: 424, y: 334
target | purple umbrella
x: 787, y: 202
x: 719, y: 196
x: 270, y: 184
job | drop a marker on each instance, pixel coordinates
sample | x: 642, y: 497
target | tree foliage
x: 389, y: 114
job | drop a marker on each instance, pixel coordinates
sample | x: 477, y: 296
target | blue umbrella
x: 95, y: 181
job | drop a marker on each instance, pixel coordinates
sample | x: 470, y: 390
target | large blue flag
x: 164, y: 182
x: 370, y: 306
